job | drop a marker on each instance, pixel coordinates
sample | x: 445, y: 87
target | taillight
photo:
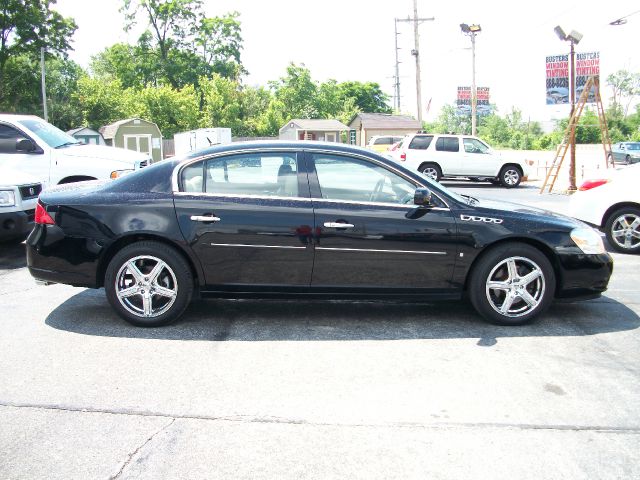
x: 589, y: 184
x: 403, y: 157
x: 42, y: 216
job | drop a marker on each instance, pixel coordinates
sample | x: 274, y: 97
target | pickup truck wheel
x: 622, y: 229
x: 431, y: 170
x: 510, y: 176
x: 512, y: 284
x: 149, y: 284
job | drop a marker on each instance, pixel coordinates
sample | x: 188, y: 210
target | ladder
x: 569, y: 134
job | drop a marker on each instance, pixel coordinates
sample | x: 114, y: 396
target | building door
x: 138, y: 143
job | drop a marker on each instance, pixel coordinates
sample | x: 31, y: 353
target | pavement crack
x: 628, y: 430
x: 130, y: 456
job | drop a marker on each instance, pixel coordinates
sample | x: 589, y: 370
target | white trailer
x: 186, y: 142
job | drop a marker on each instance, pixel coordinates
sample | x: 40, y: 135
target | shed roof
x: 73, y: 131
x: 317, y: 124
x: 109, y: 131
x: 387, y: 120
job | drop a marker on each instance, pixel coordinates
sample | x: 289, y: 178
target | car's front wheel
x: 510, y: 176
x: 431, y: 170
x: 622, y: 229
x: 512, y: 284
x: 149, y: 284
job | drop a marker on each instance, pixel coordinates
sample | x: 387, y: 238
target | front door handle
x: 338, y: 225
x: 204, y: 218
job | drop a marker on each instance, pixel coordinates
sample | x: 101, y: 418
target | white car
x: 31, y: 145
x: 613, y: 205
x: 18, y: 197
x: 438, y: 156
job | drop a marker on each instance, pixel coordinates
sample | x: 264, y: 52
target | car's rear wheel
x: 149, y: 284
x: 510, y: 176
x: 512, y: 284
x: 431, y: 170
x: 623, y: 230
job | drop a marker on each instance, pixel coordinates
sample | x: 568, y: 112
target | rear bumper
x: 16, y: 225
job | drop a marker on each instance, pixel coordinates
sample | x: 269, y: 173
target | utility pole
x: 44, y: 86
x: 397, y: 83
x: 416, y: 53
x: 474, y: 93
x: 572, y: 84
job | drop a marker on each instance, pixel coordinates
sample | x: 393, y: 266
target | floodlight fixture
x: 560, y: 33
x: 575, y: 37
x: 465, y: 28
x: 475, y: 28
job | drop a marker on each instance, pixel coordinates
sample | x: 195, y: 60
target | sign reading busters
x: 463, y: 101
x: 587, y: 65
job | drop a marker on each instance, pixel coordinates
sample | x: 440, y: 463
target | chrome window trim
x: 178, y: 168
x: 256, y: 246
x: 378, y: 250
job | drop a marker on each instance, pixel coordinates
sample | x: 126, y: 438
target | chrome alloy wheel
x: 431, y: 172
x: 511, y: 176
x: 515, y: 286
x: 146, y: 286
x: 625, y: 231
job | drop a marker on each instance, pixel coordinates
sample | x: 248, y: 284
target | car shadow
x: 12, y: 256
x: 89, y: 313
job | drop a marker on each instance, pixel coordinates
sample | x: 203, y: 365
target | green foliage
x: 449, y: 121
x: 25, y: 27
x: 625, y: 86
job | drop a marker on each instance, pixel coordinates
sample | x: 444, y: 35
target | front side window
x: 447, y: 144
x: 261, y: 174
x: 472, y: 145
x: 356, y: 180
x: 9, y: 137
x: 421, y: 142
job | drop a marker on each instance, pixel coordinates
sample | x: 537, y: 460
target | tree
x: 625, y: 87
x: 297, y: 93
x: 449, y: 121
x: 368, y: 97
x: 25, y: 27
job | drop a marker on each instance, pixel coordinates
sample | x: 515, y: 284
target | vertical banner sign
x: 463, y: 101
x: 557, y: 66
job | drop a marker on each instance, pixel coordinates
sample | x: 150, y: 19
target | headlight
x: 119, y: 173
x: 588, y: 240
x: 7, y: 198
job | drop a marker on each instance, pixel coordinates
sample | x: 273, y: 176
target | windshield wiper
x: 66, y: 144
x: 472, y: 200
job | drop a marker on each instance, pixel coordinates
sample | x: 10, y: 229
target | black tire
x: 173, y: 279
x: 494, y: 265
x: 627, y: 160
x: 621, y: 221
x: 510, y: 176
x: 610, y: 160
x: 432, y: 170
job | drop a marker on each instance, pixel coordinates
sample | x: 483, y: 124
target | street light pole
x: 43, y: 85
x: 474, y: 93
x: 572, y: 162
x: 416, y: 52
x: 397, y: 82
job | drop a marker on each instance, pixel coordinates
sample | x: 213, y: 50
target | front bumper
x: 16, y: 225
x: 584, y: 276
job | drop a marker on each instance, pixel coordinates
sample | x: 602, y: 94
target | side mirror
x: 422, y: 197
x: 25, y: 145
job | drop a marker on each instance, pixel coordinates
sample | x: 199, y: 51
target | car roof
x: 12, y: 117
x: 283, y: 144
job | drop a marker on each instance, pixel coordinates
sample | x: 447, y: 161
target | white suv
x: 439, y: 155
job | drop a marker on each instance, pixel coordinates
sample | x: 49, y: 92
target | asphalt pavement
x: 312, y: 389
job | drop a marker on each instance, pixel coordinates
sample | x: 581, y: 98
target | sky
x: 354, y: 40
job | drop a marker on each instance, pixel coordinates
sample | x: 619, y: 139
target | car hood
x: 10, y: 177
x: 101, y: 152
x: 515, y: 210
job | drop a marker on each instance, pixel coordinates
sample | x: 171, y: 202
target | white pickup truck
x: 31, y: 145
x: 18, y: 197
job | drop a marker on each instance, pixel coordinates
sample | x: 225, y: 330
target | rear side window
x: 382, y: 141
x: 447, y: 144
x: 421, y: 142
x: 8, y: 139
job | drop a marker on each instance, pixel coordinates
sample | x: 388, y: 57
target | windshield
x: 52, y: 136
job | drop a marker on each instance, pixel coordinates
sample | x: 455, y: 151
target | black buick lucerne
x: 304, y: 219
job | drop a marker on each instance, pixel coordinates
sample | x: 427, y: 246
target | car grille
x: 31, y: 214
x: 30, y: 191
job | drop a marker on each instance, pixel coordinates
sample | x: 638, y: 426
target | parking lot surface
x: 311, y: 389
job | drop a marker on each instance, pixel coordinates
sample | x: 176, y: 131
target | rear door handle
x: 204, y: 218
x: 338, y: 225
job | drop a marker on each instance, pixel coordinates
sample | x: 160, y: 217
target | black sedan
x: 303, y: 219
